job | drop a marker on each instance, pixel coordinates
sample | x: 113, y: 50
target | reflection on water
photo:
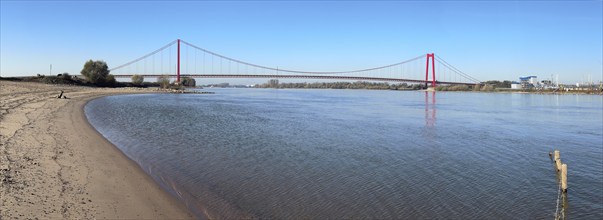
x: 430, y: 109
x: 337, y: 154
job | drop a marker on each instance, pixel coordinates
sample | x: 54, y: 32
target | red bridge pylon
x: 178, y: 71
x: 433, y: 80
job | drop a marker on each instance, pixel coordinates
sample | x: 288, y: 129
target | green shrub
x: 164, y: 81
x: 188, y: 81
x: 137, y: 79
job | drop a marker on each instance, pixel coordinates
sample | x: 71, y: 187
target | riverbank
x: 53, y: 164
x: 419, y: 87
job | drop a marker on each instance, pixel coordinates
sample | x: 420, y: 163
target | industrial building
x: 528, y: 82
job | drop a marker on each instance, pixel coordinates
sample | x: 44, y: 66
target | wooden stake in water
x: 564, y: 177
x: 557, y: 159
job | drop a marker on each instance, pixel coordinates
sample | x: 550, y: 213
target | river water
x: 267, y: 153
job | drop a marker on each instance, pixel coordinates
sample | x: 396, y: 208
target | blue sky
x: 486, y: 39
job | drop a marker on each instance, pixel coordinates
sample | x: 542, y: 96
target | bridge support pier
x: 433, y: 81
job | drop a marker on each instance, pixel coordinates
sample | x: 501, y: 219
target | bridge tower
x: 178, y: 68
x: 433, y: 80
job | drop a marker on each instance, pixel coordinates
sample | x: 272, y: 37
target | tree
x: 137, y: 79
x: 188, y: 81
x: 97, y: 73
x: 164, y: 81
x: 273, y: 83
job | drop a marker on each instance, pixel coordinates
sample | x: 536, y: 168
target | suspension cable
x: 145, y: 56
x: 297, y: 71
x: 457, y: 70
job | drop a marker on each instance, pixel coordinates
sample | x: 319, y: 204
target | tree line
x: 274, y: 83
x: 484, y: 87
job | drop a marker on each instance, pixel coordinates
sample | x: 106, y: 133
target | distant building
x: 547, y: 83
x: 515, y: 85
x: 528, y: 82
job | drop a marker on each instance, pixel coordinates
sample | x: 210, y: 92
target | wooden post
x: 557, y: 160
x: 551, y: 155
x: 564, y: 177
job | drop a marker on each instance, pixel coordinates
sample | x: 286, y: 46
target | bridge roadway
x: 274, y: 76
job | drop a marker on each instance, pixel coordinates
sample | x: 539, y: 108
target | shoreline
x: 54, y: 164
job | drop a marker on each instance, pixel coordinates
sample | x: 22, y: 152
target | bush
x: 477, y: 87
x: 487, y: 88
x: 459, y: 88
x: 453, y: 88
x: 110, y: 81
x: 97, y: 72
x: 58, y: 79
x: 137, y: 79
x: 188, y: 81
x: 49, y: 80
x: 164, y: 81
x: 418, y: 86
x: 65, y: 76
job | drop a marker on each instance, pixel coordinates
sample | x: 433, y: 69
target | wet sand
x: 54, y: 165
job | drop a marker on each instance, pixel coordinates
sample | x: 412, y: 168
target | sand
x: 54, y: 165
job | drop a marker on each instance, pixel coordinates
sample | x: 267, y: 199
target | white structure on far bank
x: 529, y: 82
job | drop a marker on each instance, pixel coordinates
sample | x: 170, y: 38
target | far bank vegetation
x: 488, y: 86
x: 274, y: 83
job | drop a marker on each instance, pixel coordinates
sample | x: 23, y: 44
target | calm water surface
x: 266, y: 153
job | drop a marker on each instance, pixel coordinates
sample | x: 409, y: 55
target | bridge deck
x: 274, y: 76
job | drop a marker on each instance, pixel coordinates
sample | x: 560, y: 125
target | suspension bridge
x: 176, y: 60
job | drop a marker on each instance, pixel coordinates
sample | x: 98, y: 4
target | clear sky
x: 498, y: 40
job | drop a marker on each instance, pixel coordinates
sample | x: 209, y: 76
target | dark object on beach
x: 62, y: 96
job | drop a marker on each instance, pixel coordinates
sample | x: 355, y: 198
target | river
x: 279, y: 153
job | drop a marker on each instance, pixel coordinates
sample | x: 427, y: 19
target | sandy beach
x: 54, y: 165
